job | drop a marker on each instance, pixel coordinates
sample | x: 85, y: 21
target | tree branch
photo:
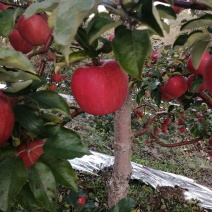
x: 77, y: 111
x: 206, y: 98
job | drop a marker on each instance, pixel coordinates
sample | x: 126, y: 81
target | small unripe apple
x: 201, y: 66
x: 102, y: 89
x: 35, y: 29
x: 154, y: 56
x: 31, y: 152
x: 207, y: 75
x: 164, y: 95
x: 7, y: 120
x: 189, y: 82
x: 176, y: 86
x: 57, y: 77
x: 18, y: 43
x: 82, y: 200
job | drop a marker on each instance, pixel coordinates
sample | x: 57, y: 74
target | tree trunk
x: 122, y: 170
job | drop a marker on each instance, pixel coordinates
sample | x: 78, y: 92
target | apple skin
x: 167, y: 121
x: 189, y: 82
x: 11, y: 100
x: 154, y: 56
x: 57, y: 77
x: 207, y: 75
x: 111, y: 37
x: 53, y: 87
x: 7, y: 120
x: 177, y: 9
x: 210, y: 142
x: 18, y: 43
x: 200, y: 68
x: 182, y: 129
x: 176, y: 86
x: 100, y: 90
x: 3, y: 6
x: 35, y: 29
x: 31, y: 152
x: 164, y: 95
x: 181, y: 121
x: 81, y: 200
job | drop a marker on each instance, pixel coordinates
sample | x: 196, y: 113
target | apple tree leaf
x: 11, y: 181
x: 203, y: 21
x: 63, y: 143
x: 197, y: 82
x: 50, y: 100
x: 39, y: 7
x: 18, y: 86
x: 27, y: 199
x: 29, y: 119
x: 15, y: 59
x: 14, y: 76
x: 99, y: 24
x: 197, y: 51
x: 69, y: 17
x: 207, y: 2
x: 62, y: 171
x: 166, y: 11
x: 150, y: 17
x: 43, y: 185
x: 131, y: 49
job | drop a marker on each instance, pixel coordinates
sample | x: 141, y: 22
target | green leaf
x: 14, y: 76
x: 131, y: 49
x: 156, y: 96
x: 43, y: 185
x: 69, y: 17
x: 197, y: 51
x: 50, y: 100
x: 100, y: 23
x: 207, y: 2
x: 62, y: 171
x: 18, y: 86
x: 203, y: 21
x: 39, y: 7
x: 15, y: 59
x: 7, y: 151
x: 197, y: 82
x: 124, y: 205
x: 150, y: 17
x: 63, y: 143
x: 29, y: 119
x: 27, y: 200
x: 13, y: 176
x: 73, y: 57
x: 166, y: 11
x: 7, y: 22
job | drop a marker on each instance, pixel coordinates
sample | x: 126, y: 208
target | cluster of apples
x: 177, y: 85
x: 29, y: 33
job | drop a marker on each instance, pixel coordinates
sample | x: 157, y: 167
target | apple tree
x: 109, y: 74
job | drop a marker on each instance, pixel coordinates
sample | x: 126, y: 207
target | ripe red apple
x: 189, y: 82
x: 157, y: 131
x: 210, y: 153
x: 81, y: 200
x: 164, y: 127
x: 176, y: 86
x: 210, y: 143
x: 164, y: 95
x: 138, y: 112
x: 102, y: 89
x: 4, y: 6
x: 10, y: 100
x: 35, y: 29
x: 177, y: 9
x: 207, y: 75
x: 50, y: 57
x: 182, y: 129
x: 7, y: 120
x: 200, y: 68
x: 167, y: 121
x: 31, y: 152
x: 154, y: 56
x: 57, y: 77
x: 181, y: 121
x: 53, y: 87
x: 18, y: 43
x: 111, y: 37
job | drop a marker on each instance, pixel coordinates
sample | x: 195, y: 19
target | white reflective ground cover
x: 98, y: 161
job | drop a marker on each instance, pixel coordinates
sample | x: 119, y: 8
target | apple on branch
x: 57, y: 77
x: 101, y: 89
x: 207, y: 75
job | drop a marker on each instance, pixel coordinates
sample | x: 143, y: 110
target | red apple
x: 35, y: 29
x: 31, y: 152
x: 189, y: 82
x: 53, y: 87
x: 164, y: 95
x: 207, y: 75
x: 210, y: 143
x: 157, y: 131
x: 57, y: 77
x: 167, y: 121
x: 181, y: 121
x: 4, y: 6
x: 210, y: 153
x: 7, y: 120
x: 18, y: 43
x: 10, y: 100
x: 81, y: 200
x: 50, y: 57
x: 176, y: 86
x: 111, y: 37
x: 200, y: 68
x: 102, y: 89
x: 138, y: 112
x: 164, y: 127
x: 182, y: 129
x: 154, y: 56
x: 177, y: 9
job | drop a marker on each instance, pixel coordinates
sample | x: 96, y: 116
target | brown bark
x: 122, y: 170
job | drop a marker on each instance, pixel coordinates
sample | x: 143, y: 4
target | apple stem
x: 96, y: 61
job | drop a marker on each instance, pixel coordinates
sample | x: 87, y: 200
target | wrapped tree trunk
x: 122, y: 170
